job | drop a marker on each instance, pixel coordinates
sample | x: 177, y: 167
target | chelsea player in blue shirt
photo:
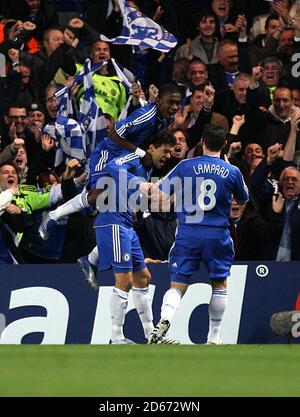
x: 127, y: 134
x: 203, y: 189
x: 117, y: 241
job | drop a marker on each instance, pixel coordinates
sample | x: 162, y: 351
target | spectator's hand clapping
x: 14, y: 55
x: 277, y: 203
x: 29, y: 26
x: 47, y: 142
x: 241, y: 23
x: 12, y: 131
x: 295, y: 119
x: 190, y: 49
x: 229, y: 27
x: 15, y: 31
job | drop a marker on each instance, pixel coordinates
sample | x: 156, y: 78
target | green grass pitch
x: 141, y: 370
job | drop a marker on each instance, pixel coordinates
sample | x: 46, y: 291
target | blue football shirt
x: 203, y: 188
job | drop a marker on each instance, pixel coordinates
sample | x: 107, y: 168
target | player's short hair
x: 164, y: 137
x: 168, y: 89
x: 214, y: 137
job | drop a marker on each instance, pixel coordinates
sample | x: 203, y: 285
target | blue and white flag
x: 78, y: 138
x: 140, y: 30
x: 79, y: 78
x: 90, y: 115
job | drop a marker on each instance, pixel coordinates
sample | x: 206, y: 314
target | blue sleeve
x: 123, y: 170
x: 136, y: 122
x: 240, y: 191
x: 168, y: 185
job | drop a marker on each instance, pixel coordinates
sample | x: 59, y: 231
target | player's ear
x: 150, y: 149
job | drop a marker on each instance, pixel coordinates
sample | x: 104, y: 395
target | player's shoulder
x: 127, y: 157
x: 233, y: 168
x: 149, y: 109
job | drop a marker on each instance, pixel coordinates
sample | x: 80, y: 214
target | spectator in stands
x: 109, y: 91
x: 12, y: 219
x: 204, y: 46
x: 266, y: 44
x: 20, y: 162
x: 296, y: 96
x: 221, y: 9
x: 51, y: 103
x: 179, y: 74
x: 54, y: 60
x: 284, y: 212
x: 277, y: 119
x: 197, y: 75
x: 223, y: 73
x: 11, y: 150
x: 43, y: 14
x: 238, y: 100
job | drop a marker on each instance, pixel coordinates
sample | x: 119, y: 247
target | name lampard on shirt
x: 217, y: 169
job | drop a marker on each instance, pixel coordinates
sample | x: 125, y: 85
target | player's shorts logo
x: 126, y: 257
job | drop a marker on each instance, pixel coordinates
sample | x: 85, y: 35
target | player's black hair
x: 168, y: 89
x: 164, y: 137
x: 214, y: 137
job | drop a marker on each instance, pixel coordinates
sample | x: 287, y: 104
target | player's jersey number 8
x: 206, y: 198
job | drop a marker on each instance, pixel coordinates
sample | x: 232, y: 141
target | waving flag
x: 140, y: 30
x: 90, y: 115
x: 79, y: 78
x: 78, y: 138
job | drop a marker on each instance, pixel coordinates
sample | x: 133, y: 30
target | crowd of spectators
x: 235, y: 64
